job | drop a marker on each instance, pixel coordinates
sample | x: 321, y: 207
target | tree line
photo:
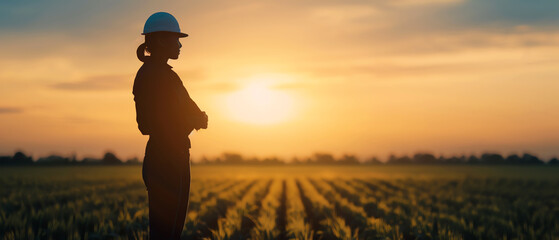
x: 109, y: 158
x: 20, y: 158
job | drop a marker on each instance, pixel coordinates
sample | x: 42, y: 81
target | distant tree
x: 204, y: 160
x: 253, y: 160
x: 20, y: 158
x: 392, y: 158
x: 110, y: 158
x: 53, y: 160
x: 456, y: 160
x: 399, y: 160
x: 405, y: 159
x: 349, y: 159
x: 272, y: 161
x: 492, y: 158
x: 5, y: 160
x: 530, y: 159
x: 554, y: 162
x: 295, y: 160
x: 513, y: 159
x: 473, y: 160
x: 373, y: 160
x: 91, y: 160
x: 424, y: 158
x: 324, y: 158
x: 133, y: 160
x: 232, y: 158
x: 73, y: 158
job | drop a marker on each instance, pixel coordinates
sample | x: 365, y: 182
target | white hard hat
x: 162, y: 22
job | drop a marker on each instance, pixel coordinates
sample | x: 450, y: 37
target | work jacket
x: 163, y: 106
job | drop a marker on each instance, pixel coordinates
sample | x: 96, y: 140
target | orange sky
x: 361, y: 77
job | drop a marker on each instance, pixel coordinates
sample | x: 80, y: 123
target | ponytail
x: 150, y: 45
x: 140, y: 52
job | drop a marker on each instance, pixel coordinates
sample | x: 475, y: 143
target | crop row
x: 289, y: 208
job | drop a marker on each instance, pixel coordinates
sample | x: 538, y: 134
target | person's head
x: 162, y: 37
x: 163, y: 45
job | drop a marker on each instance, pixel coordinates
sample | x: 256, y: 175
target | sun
x: 259, y: 103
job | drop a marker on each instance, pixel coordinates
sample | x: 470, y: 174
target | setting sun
x: 259, y: 103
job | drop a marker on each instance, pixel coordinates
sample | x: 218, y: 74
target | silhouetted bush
x: 513, y: 159
x: 492, y: 158
x: 424, y: 158
x: 232, y: 158
x: 54, y: 160
x: 110, y: 158
x: 530, y: 159
x: 392, y: 159
x: 323, y: 158
x: 373, y: 160
x: 456, y: 160
x: 473, y: 160
x: 133, y: 160
x: 349, y: 159
x: 19, y: 158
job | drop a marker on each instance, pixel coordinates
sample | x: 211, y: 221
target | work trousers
x: 166, y: 174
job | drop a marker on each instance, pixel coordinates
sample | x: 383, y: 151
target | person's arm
x: 201, y: 117
x: 144, y: 107
x: 197, y: 118
x: 151, y: 104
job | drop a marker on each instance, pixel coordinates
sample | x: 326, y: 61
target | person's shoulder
x: 174, y: 74
x: 144, y: 78
x: 147, y: 69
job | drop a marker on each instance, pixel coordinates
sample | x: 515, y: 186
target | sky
x: 289, y: 78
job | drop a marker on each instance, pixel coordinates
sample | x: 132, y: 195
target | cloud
x: 494, y: 15
x: 343, y: 14
x: 57, y: 16
x: 84, y: 19
x: 401, y: 19
x: 96, y: 83
x: 386, y: 71
x: 519, y: 37
x: 421, y: 2
x: 504, y: 12
x: 6, y: 110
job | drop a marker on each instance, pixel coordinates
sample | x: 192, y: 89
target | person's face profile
x: 174, y: 45
x: 170, y: 42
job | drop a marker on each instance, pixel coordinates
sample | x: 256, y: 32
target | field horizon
x: 288, y: 202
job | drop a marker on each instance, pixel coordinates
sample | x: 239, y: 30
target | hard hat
x: 162, y: 22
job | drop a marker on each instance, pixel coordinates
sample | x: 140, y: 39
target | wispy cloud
x: 6, y: 110
x: 97, y: 83
x: 421, y: 2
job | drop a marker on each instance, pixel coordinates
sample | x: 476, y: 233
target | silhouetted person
x: 166, y: 113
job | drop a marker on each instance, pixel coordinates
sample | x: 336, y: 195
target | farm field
x: 289, y: 202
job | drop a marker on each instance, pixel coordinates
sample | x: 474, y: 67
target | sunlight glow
x: 258, y: 103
